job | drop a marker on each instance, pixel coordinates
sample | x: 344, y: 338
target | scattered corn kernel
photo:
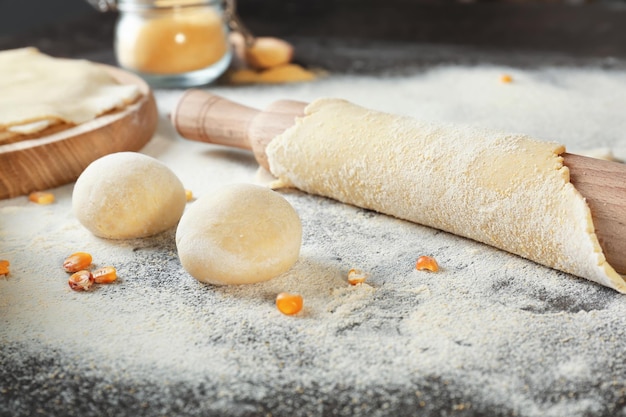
x: 104, y: 275
x: 81, y: 281
x: 188, y: 195
x: 289, y: 304
x: 426, y: 263
x: 77, y: 261
x: 40, y: 197
x: 4, y: 267
x: 506, y: 78
x: 356, y: 276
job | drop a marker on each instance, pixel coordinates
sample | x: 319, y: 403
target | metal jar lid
x: 112, y: 5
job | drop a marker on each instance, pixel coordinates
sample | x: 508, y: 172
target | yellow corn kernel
x: 506, y: 78
x: 426, y: 263
x: 4, y: 267
x: 81, y: 281
x: 289, y: 304
x: 104, y: 275
x: 77, y: 261
x: 188, y: 195
x: 356, y: 276
x: 40, y: 197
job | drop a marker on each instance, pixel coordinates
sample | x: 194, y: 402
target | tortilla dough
x: 39, y: 91
x: 242, y: 234
x: 506, y: 190
x: 128, y: 195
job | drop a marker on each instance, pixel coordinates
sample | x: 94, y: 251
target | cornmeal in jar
x: 179, y: 41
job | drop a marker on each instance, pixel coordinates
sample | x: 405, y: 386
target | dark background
x: 367, y: 36
x: 22, y: 16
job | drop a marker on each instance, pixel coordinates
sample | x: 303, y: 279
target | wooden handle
x: 209, y: 118
x: 603, y: 184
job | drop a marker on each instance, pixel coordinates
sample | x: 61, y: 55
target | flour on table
x: 490, y: 333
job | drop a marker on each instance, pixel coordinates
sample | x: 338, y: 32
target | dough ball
x: 242, y: 234
x: 128, y: 195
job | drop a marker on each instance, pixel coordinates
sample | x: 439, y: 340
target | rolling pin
x: 205, y: 117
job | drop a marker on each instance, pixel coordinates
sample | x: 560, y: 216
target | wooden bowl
x: 59, y: 158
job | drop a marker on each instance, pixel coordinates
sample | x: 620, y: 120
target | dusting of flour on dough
x: 506, y: 190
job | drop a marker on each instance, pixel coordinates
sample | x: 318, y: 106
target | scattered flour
x: 490, y: 334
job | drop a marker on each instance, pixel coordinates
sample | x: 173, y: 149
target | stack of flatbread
x: 41, y: 95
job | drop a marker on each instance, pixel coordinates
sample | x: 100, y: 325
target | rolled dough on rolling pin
x: 513, y: 192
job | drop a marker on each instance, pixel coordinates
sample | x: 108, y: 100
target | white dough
x: 128, y: 195
x: 242, y: 234
x: 507, y: 190
x: 39, y: 90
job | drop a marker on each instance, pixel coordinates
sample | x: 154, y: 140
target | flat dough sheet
x: 506, y: 190
x: 39, y: 91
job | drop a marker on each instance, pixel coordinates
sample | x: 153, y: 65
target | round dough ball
x: 128, y: 195
x: 242, y: 234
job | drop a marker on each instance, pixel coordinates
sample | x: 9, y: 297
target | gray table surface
x: 548, y: 344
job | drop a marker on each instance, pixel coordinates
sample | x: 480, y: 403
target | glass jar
x: 173, y: 43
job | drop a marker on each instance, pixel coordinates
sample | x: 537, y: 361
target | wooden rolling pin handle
x: 205, y: 117
x: 209, y: 118
x: 271, y: 122
x: 603, y: 184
